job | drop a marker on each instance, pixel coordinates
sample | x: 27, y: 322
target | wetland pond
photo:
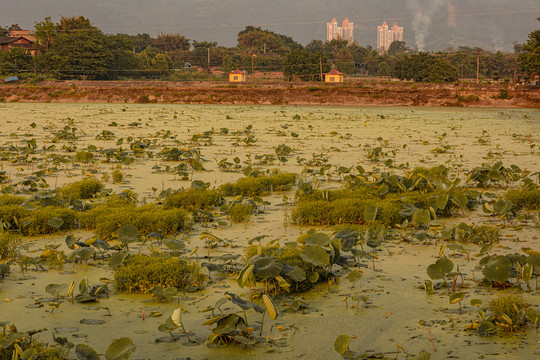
x: 406, y: 229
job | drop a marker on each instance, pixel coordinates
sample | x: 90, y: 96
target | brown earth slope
x: 359, y: 93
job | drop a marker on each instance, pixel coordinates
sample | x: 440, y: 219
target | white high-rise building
x: 344, y: 32
x: 386, y: 36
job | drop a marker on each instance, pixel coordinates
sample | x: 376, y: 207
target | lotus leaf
x: 55, y: 289
x: 441, y: 267
x: 354, y: 276
x: 502, y: 206
x: 485, y: 327
x: 341, y: 345
x: 270, y: 308
x: 120, y: 349
x: 315, y: 255
x: 245, y: 275
x: 370, y: 212
x: 85, y: 352
x: 421, y: 217
x: 295, y: 273
x: 534, y: 260
x: 117, y: 258
x: 476, y: 302
x: 84, y: 253
x: 176, y: 316
x: 243, y: 304
x: 441, y: 201
x: 266, y: 267
x: 128, y: 234
x: 498, y: 269
x: 55, y: 222
x: 198, y: 184
x: 229, y: 323
x: 456, y: 297
x: 174, y: 244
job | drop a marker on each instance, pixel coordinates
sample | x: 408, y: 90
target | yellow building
x: 333, y: 76
x: 237, y: 76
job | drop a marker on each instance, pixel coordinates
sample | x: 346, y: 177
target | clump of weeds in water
x: 140, y: 273
x: 9, y: 244
x: 27, y: 347
x: 118, y: 176
x: 511, y: 312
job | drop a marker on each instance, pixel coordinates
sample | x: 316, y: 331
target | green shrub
x: 468, y: 98
x: 83, y: 189
x: 118, y: 176
x: 527, y: 198
x: 84, y: 156
x: 346, y: 211
x: 254, y: 186
x: 193, y: 199
x: 140, y: 273
x: 35, y: 222
x: 11, y: 200
x: 510, y: 304
x: 241, y: 212
x: 9, y: 243
x: 148, y: 218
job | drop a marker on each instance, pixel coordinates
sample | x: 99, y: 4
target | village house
x: 237, y: 76
x: 21, y: 39
x: 333, y: 76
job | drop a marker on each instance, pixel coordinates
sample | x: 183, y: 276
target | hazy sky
x: 431, y: 24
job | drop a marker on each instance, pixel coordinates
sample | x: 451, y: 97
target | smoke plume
x: 424, y: 10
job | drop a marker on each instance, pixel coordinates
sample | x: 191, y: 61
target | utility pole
x: 209, y: 58
x: 515, y: 75
x: 320, y: 65
x: 252, y: 73
x: 477, y: 67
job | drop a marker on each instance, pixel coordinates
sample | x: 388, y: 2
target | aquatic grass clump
x: 239, y: 213
x: 141, y: 273
x: 309, y: 194
x: 30, y: 347
x: 35, y: 222
x: 193, y: 199
x: 346, y: 211
x: 83, y: 189
x: 147, y: 218
x: 257, y: 185
x: 9, y: 242
x: 527, y: 198
x: 511, y: 311
x: 11, y: 199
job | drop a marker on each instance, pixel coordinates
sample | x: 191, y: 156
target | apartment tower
x: 386, y: 35
x: 344, y: 32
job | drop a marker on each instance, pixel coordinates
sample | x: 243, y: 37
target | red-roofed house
x: 333, y: 76
x: 237, y: 76
x: 21, y: 39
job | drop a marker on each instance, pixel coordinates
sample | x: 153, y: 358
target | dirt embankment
x: 359, y: 93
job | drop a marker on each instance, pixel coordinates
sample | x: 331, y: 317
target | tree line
x: 75, y: 48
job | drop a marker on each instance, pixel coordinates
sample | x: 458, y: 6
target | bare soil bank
x: 359, y: 93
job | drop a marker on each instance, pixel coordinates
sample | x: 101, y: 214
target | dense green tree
x: 315, y: 46
x: 4, y: 31
x: 384, y: 69
x: 44, y: 32
x: 424, y: 67
x: 72, y: 23
x: 170, y: 42
x: 397, y: 48
x: 529, y: 58
x: 305, y: 65
x: 79, y: 53
x: 254, y: 40
x: 14, y: 27
x: 15, y: 61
